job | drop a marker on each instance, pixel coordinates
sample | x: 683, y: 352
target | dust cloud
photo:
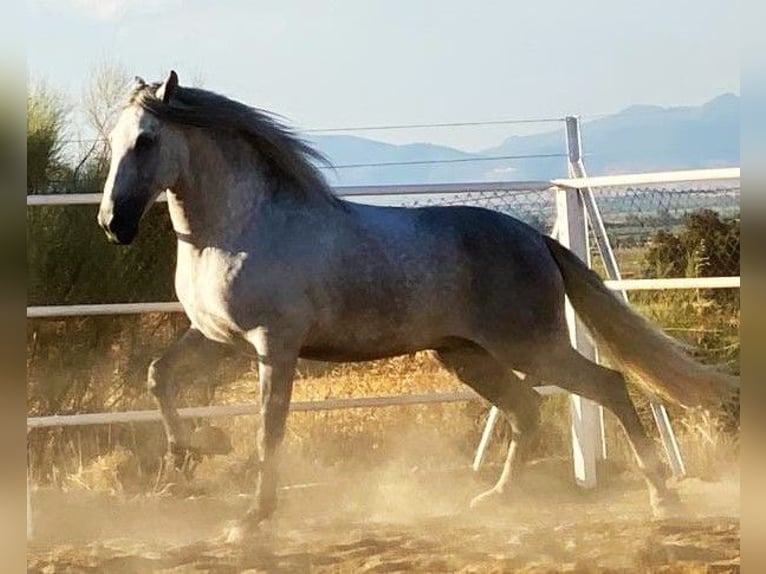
x: 395, y: 516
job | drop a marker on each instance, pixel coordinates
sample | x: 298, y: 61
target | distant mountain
x: 639, y: 138
x: 345, y: 151
x: 649, y: 138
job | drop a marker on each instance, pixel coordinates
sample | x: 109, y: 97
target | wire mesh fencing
x: 679, y: 230
x: 535, y: 206
x: 673, y: 231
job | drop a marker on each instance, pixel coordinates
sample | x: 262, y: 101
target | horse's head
x: 147, y: 158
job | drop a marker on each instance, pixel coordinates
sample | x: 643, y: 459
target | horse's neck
x: 217, y: 194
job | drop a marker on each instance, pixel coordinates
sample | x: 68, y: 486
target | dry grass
x: 404, y: 437
x: 422, y: 436
x: 352, y: 438
x: 107, y: 473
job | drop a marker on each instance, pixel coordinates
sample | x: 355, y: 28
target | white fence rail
x: 341, y: 191
x: 52, y: 311
x: 41, y: 311
x: 682, y: 176
x: 241, y: 409
x: 581, y: 444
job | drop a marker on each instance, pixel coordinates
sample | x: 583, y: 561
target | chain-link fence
x: 689, y: 230
x: 673, y: 231
x: 535, y: 207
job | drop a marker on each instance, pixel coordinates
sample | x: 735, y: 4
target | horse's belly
x: 351, y: 341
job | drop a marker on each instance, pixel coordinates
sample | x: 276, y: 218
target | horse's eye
x: 144, y: 142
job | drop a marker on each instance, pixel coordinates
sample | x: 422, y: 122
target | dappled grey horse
x: 270, y: 261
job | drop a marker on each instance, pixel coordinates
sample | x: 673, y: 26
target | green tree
x: 47, y: 115
x: 666, y: 256
x: 713, y: 242
x: 707, y: 246
x: 68, y: 259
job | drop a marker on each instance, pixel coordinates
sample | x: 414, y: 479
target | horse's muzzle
x: 120, y: 223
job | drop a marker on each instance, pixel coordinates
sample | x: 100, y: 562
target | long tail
x: 659, y: 362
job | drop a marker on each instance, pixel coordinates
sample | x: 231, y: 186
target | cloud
x: 114, y: 9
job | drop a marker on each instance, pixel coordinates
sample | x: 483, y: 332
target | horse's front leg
x: 276, y: 369
x: 191, y: 351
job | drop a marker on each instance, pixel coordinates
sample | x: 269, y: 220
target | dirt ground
x: 394, y: 520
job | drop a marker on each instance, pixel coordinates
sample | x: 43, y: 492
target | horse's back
x: 414, y: 278
x: 512, y: 276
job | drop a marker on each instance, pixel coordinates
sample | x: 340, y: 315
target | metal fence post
x: 669, y: 441
x: 587, y: 429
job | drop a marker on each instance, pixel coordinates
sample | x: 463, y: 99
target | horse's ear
x: 165, y: 91
x: 140, y: 82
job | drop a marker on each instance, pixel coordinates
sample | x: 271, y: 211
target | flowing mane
x: 280, y: 147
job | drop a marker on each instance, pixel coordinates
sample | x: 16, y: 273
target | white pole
x: 587, y: 431
x: 613, y: 272
x: 494, y: 413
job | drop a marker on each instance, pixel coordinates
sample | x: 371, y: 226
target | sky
x: 330, y: 64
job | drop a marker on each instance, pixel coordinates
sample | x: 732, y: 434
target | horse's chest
x: 203, y: 286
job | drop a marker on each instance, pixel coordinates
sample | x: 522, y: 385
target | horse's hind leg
x: 570, y: 370
x: 515, y: 398
x: 191, y: 351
